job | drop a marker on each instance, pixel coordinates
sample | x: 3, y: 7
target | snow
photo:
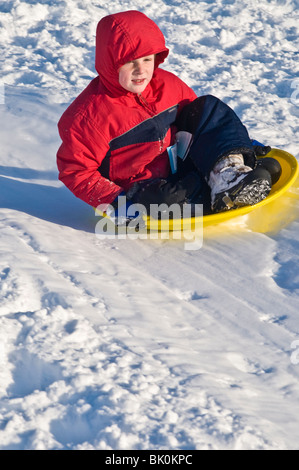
x: 142, y: 344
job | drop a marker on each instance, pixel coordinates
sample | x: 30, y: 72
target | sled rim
x: 290, y: 168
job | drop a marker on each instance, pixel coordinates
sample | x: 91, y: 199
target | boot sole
x: 252, y: 193
x: 246, y: 193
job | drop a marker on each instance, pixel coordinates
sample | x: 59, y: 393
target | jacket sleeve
x: 78, y: 159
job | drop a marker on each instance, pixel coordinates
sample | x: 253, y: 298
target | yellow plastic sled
x: 270, y: 215
x: 274, y: 211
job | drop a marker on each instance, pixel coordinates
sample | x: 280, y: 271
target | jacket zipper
x: 145, y: 104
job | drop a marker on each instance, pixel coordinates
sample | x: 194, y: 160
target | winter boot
x: 233, y: 184
x: 272, y: 165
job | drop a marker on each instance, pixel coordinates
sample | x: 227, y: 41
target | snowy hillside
x: 123, y: 344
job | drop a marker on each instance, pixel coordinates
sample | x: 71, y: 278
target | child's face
x: 134, y: 76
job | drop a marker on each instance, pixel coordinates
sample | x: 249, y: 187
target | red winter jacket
x: 111, y: 137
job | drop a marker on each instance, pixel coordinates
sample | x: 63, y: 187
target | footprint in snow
x: 244, y: 365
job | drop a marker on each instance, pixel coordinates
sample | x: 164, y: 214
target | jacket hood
x: 123, y: 37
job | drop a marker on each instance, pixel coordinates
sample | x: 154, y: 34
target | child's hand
x: 165, y: 192
x: 261, y: 150
x: 122, y: 211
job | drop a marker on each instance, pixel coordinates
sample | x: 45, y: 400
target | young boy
x: 116, y: 133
